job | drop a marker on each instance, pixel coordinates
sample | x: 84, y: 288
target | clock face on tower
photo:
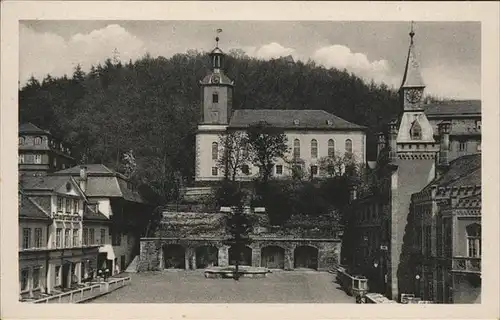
x: 413, y: 95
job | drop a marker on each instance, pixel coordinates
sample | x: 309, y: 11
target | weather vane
x: 217, y: 37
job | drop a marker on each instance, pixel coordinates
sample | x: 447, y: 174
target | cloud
x: 269, y: 51
x: 341, y: 57
x: 44, y: 53
x: 458, y: 82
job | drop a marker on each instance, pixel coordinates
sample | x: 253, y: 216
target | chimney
x: 444, y: 128
x: 380, y: 143
x: 83, y: 178
x: 393, y: 134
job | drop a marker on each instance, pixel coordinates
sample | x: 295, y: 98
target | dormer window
x: 329, y: 122
x: 21, y: 141
x: 38, y: 140
x: 416, y: 131
x: 215, y: 97
x: 296, y: 122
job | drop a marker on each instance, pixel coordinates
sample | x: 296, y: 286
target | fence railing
x: 86, y: 293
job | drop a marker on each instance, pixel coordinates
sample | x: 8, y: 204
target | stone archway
x: 174, y: 256
x: 245, y: 256
x: 273, y: 257
x: 306, y: 257
x: 207, y: 256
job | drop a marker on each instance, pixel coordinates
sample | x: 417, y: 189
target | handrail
x: 77, y: 295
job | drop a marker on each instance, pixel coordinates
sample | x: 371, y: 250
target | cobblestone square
x: 193, y: 287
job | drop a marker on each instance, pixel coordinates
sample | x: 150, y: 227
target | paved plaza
x: 193, y: 287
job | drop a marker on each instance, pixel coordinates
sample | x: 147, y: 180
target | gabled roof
x: 29, y: 209
x: 49, y: 183
x: 453, y: 108
x: 92, y: 169
x: 291, y: 119
x: 29, y: 127
x: 104, y: 182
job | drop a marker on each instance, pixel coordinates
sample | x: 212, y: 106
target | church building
x: 311, y: 134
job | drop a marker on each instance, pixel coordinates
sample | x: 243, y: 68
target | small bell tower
x: 216, y: 90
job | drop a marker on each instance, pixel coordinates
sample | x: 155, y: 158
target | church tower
x: 215, y: 112
x: 217, y: 91
x: 412, y: 154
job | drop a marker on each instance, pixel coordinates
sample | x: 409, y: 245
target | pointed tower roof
x: 412, y: 77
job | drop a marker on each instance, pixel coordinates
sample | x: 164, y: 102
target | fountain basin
x: 228, y: 272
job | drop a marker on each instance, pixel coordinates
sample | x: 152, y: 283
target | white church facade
x: 311, y: 134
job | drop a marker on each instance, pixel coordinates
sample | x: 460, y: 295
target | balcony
x: 466, y: 264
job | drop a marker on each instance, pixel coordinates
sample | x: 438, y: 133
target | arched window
x: 21, y: 141
x: 314, y: 148
x: 348, y: 146
x: 38, y: 140
x: 296, y: 148
x: 215, y: 150
x: 331, y: 148
x: 416, y: 131
x: 474, y: 240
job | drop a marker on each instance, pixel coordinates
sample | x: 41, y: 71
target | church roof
x: 412, y: 76
x: 291, y: 119
x: 453, y: 108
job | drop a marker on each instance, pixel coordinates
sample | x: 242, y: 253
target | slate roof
x: 291, y: 119
x: 463, y: 171
x: 412, y: 76
x: 31, y: 210
x: 223, y: 79
x: 29, y: 127
x: 104, y: 182
x: 48, y: 182
x: 91, y: 214
x: 453, y: 108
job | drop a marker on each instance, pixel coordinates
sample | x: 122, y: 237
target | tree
x: 235, y: 153
x: 238, y: 225
x: 129, y: 163
x: 337, y: 166
x: 266, y: 145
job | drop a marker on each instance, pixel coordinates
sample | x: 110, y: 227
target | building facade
x: 53, y: 253
x: 40, y: 152
x: 446, y: 224
x: 113, y: 197
x: 311, y: 134
x: 416, y: 148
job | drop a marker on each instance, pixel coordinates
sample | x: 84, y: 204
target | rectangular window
x: 117, y: 239
x: 26, y: 238
x: 474, y: 247
x: 67, y: 240
x: 59, y: 204
x: 38, y: 237
x: 314, y: 170
x: 91, y: 236
x: 215, y: 98
x: 75, y: 206
x: 462, y: 146
x: 428, y: 249
x: 58, y: 237
x: 85, y: 236
x: 58, y: 276
x: 479, y: 146
x: 76, y: 241
x: 36, y: 278
x: 21, y: 158
x: 23, y: 281
x: 38, y: 158
x: 279, y: 169
x: 103, y: 236
x: 478, y: 125
x: 215, y: 171
x: 68, y: 205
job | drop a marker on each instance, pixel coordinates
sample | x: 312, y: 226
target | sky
x: 449, y: 52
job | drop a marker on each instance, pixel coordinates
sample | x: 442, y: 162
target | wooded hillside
x: 151, y: 106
